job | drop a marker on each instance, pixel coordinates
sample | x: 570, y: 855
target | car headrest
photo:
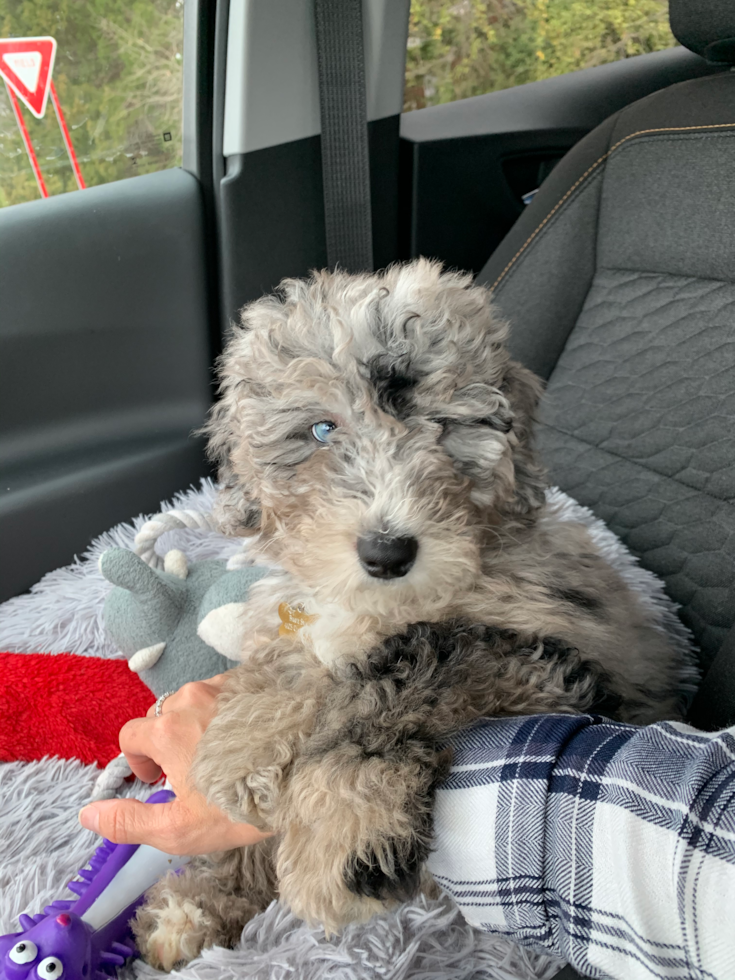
x: 706, y: 27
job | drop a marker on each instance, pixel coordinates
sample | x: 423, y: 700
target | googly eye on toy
x: 88, y: 938
x: 50, y: 968
x: 24, y: 952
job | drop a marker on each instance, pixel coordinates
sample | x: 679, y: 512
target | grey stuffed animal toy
x: 175, y: 625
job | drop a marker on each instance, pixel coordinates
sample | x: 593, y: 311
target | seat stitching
x: 594, y: 166
x: 634, y: 462
x: 666, y: 275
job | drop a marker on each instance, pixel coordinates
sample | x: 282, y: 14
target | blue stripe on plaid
x: 554, y: 777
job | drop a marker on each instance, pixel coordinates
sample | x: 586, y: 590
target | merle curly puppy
x: 374, y: 438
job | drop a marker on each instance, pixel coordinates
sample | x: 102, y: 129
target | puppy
x: 375, y: 440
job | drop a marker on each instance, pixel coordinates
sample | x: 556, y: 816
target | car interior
x: 618, y: 279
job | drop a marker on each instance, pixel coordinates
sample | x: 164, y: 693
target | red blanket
x: 66, y: 705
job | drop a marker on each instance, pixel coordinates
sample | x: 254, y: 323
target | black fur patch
x: 366, y: 877
x: 604, y: 700
x: 392, y: 384
x: 496, y: 422
x: 606, y: 703
x: 252, y: 518
x: 444, y: 641
x: 556, y: 649
x: 577, y: 598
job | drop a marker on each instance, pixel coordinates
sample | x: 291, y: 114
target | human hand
x: 187, y: 825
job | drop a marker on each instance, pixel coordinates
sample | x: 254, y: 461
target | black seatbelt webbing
x: 345, y: 157
x: 713, y: 707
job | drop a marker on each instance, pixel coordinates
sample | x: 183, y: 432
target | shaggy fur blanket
x: 42, y: 845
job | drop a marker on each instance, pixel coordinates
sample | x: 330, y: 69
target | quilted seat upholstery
x: 638, y: 424
x: 619, y: 284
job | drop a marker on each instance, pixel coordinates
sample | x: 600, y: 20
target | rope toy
x: 110, y: 780
x: 112, y: 777
x: 173, y: 620
x: 171, y: 520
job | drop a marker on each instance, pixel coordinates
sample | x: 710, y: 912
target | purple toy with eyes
x: 88, y: 938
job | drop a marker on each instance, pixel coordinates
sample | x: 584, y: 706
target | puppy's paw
x: 394, y: 874
x: 360, y: 830
x: 264, y: 715
x: 171, y: 930
x: 329, y: 876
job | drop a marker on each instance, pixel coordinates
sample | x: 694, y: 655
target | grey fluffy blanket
x: 42, y: 845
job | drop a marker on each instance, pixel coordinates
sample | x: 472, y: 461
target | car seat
x: 619, y: 283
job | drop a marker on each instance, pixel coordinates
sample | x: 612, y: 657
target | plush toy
x: 179, y: 624
x: 88, y: 938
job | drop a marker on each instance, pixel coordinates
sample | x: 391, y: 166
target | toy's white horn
x: 175, y: 563
x: 146, y: 657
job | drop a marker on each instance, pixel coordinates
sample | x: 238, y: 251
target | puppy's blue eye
x: 322, y: 430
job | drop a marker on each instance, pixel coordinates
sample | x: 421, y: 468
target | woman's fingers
x: 167, y: 743
x: 195, y: 694
x: 178, y: 827
x: 131, y: 822
x: 145, y: 742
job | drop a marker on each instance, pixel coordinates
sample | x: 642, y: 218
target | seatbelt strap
x: 345, y: 157
x: 713, y: 707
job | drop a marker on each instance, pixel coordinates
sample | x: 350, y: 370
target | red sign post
x: 26, y: 66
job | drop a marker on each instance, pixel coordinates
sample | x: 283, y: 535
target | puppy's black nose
x: 384, y: 556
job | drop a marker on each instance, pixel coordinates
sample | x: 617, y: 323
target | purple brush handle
x: 59, y: 943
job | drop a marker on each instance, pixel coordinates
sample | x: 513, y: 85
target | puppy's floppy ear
x: 524, y: 389
x: 236, y: 510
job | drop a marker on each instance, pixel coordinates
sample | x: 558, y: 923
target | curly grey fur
x: 333, y: 735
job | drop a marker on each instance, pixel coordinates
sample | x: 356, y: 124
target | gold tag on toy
x: 293, y: 618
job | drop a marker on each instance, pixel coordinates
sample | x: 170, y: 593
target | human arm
x: 608, y: 845
x: 187, y: 825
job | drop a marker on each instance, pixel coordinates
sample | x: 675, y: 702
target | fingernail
x: 89, y: 817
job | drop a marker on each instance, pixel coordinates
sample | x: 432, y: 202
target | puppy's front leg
x: 360, y: 796
x: 264, y: 715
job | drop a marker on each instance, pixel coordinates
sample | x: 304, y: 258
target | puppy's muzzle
x: 385, y: 556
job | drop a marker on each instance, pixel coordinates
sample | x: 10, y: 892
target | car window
x: 460, y: 48
x: 111, y: 104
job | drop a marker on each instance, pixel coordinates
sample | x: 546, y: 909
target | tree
x: 470, y: 47
x: 119, y: 70
x: 119, y: 77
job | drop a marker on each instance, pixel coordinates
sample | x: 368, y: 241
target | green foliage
x: 118, y: 75
x: 119, y: 70
x: 460, y: 48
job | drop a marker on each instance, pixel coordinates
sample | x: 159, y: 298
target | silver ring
x: 158, y: 711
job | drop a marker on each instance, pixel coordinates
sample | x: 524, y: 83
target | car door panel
x: 104, y: 362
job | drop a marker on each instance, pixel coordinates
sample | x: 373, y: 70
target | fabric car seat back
x: 619, y: 283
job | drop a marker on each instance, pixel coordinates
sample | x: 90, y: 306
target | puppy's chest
x: 328, y: 631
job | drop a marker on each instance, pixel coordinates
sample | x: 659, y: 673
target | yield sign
x: 26, y: 64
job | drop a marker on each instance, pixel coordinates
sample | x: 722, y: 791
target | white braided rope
x: 145, y: 539
x: 110, y: 780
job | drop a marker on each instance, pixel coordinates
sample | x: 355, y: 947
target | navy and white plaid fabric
x: 605, y: 844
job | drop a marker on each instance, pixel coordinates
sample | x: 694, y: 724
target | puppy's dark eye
x: 322, y: 431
